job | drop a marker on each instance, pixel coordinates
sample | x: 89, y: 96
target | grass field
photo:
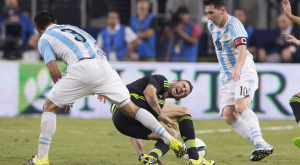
x: 97, y: 142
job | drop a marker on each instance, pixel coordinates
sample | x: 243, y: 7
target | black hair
x: 113, y: 11
x: 43, y: 18
x: 217, y: 3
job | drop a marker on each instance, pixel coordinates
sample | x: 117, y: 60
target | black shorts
x: 130, y: 127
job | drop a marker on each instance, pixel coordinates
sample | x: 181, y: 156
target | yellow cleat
x: 201, y: 161
x: 176, y: 146
x: 149, y: 160
x: 35, y: 161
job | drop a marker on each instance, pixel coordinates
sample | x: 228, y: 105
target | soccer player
x: 88, y: 73
x: 238, y: 76
x: 149, y: 94
x: 295, y: 100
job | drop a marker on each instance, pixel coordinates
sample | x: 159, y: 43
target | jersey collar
x: 224, y: 27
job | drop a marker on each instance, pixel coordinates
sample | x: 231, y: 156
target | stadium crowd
x: 145, y: 38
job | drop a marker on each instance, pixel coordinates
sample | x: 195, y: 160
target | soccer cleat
x: 261, y: 151
x: 35, y: 161
x: 149, y: 160
x: 297, y: 141
x: 176, y: 146
x: 201, y: 161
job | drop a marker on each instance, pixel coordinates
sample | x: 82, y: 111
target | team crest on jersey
x: 225, y: 36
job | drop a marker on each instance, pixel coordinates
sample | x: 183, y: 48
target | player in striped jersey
x: 238, y: 76
x: 88, y: 73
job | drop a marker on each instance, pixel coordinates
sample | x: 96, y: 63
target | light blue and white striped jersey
x: 68, y: 43
x: 226, y: 51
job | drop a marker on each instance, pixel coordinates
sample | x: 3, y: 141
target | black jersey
x: 137, y: 88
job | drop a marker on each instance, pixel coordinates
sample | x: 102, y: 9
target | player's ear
x: 173, y: 81
x: 38, y: 30
x: 223, y: 10
x: 55, y: 22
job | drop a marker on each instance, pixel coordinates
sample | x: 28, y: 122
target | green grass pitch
x: 97, y: 142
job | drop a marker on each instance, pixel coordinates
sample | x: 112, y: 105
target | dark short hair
x: 217, y: 3
x: 190, y: 84
x: 183, y: 10
x: 113, y: 11
x: 142, y: 0
x: 42, y: 19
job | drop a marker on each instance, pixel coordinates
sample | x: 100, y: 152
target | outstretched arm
x: 150, y: 95
x: 288, y: 12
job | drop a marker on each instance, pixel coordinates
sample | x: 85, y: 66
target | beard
x: 170, y: 91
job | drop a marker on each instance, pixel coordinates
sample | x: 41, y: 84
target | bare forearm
x: 132, y: 45
x: 153, y: 102
x: 146, y: 34
x: 189, y: 39
x: 241, y: 57
x: 55, y: 77
x: 294, y: 19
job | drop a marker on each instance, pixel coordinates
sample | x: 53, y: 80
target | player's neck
x: 224, y: 21
x: 42, y: 31
x: 166, y: 95
x: 112, y: 26
x: 142, y: 16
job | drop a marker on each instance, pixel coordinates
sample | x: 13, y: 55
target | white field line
x: 275, y: 128
x: 262, y: 128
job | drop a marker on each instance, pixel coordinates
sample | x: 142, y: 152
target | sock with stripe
x: 149, y: 121
x: 187, y: 133
x: 48, y: 126
x: 251, y: 119
x: 295, y: 104
x: 242, y: 128
x: 160, y: 149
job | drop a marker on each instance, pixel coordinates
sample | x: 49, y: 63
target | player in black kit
x: 149, y: 93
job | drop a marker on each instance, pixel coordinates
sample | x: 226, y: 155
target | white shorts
x: 87, y: 77
x: 232, y: 90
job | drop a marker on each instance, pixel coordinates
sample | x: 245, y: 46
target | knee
x: 45, y: 108
x: 186, y: 111
x: 229, y: 118
x: 298, y: 94
x: 240, y: 107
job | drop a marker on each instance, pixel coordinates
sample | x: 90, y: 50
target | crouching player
x: 295, y: 100
x: 149, y: 93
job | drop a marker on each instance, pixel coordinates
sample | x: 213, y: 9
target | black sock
x: 187, y: 133
x: 159, y: 149
x: 295, y: 104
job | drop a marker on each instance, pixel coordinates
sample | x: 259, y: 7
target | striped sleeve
x: 237, y: 29
x: 46, y: 50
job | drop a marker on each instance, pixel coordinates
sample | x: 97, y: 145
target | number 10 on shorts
x: 243, y: 91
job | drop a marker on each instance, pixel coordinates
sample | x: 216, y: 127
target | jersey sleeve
x: 237, y: 30
x: 130, y: 36
x: 46, y: 50
x: 159, y: 82
x: 196, y: 31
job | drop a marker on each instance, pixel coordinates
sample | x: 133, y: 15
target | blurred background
x: 172, y: 40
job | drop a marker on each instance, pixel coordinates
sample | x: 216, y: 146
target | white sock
x: 242, y: 128
x: 299, y: 123
x: 149, y: 121
x: 251, y: 119
x: 48, y: 126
